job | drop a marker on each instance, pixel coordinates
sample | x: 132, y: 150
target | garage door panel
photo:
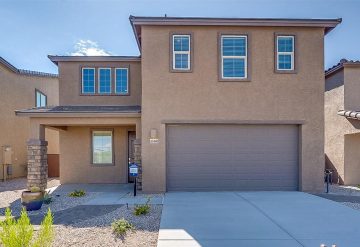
x: 232, y: 157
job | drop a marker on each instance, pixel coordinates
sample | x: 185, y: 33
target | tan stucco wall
x: 334, y: 136
x: 75, y: 146
x: 75, y: 157
x: 18, y: 92
x: 352, y: 88
x: 340, y: 132
x: 199, y: 96
x: 70, y: 84
x: 352, y: 159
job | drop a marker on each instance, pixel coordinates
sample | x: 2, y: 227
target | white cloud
x: 88, y: 48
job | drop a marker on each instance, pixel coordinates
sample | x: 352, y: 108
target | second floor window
x: 104, y: 81
x: 88, y: 81
x: 181, y: 52
x: 285, y: 53
x: 233, y: 57
x: 41, y: 99
x: 121, y: 81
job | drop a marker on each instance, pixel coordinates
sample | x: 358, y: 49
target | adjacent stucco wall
x: 342, y: 89
x: 70, y: 84
x: 75, y: 158
x: 352, y: 159
x: 199, y: 96
x: 334, y: 133
x: 18, y: 92
x: 352, y: 88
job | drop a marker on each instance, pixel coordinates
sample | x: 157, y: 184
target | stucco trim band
x: 298, y: 122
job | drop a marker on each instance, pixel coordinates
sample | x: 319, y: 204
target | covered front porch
x: 96, y: 144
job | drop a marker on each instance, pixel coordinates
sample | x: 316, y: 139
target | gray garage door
x: 232, y: 157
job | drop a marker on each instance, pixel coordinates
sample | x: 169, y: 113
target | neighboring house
x: 218, y: 104
x: 23, y: 89
x: 342, y: 121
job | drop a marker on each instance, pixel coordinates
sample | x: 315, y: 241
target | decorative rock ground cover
x: 85, y: 225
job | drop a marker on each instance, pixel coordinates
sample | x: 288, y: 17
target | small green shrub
x: 77, y: 193
x: 20, y: 233
x: 142, y: 209
x: 121, y: 226
x: 47, y: 198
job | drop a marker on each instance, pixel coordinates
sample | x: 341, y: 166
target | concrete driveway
x: 281, y: 219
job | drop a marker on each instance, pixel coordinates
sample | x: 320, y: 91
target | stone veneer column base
x: 37, y: 165
x: 137, y: 160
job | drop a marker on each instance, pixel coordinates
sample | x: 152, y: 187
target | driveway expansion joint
x: 267, y: 216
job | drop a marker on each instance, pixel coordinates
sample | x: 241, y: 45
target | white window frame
x: 92, y: 146
x: 127, y: 81
x: 235, y: 57
x: 104, y: 68
x: 38, y: 92
x: 181, y: 52
x: 278, y: 53
x: 82, y: 80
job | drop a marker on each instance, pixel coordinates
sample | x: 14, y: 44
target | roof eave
x: 340, y: 67
x: 137, y: 38
x: 90, y: 114
x: 327, y: 24
x: 56, y: 59
x: 24, y: 72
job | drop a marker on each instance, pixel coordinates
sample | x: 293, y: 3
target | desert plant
x: 142, y: 209
x: 46, y: 232
x: 20, y: 233
x: 34, y: 189
x: 47, y: 198
x: 121, y: 226
x: 77, y: 193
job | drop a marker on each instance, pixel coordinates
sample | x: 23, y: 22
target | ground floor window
x: 102, y: 147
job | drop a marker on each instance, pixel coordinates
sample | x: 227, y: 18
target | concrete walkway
x: 110, y: 194
x: 256, y: 219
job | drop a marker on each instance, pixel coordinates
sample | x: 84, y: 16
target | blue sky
x: 32, y: 29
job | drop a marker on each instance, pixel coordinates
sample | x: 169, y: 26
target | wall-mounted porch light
x: 154, y: 136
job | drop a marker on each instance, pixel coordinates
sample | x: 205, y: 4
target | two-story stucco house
x: 342, y: 125
x: 211, y: 104
x: 24, y: 89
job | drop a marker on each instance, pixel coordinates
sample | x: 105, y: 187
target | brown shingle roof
x: 343, y: 62
x: 25, y: 72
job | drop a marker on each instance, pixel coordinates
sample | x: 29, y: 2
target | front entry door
x: 131, y: 139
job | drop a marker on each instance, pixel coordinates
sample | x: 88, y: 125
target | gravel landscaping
x: 346, y: 195
x: 10, y: 194
x: 97, y: 231
x: 74, y: 229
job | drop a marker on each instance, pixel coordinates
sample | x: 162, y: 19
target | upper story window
x: 233, y: 56
x: 285, y: 52
x: 121, y: 81
x: 104, y: 81
x: 181, y: 52
x: 41, y: 99
x: 88, y: 81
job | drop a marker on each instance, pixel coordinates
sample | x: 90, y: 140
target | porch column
x: 137, y: 160
x: 37, y: 171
